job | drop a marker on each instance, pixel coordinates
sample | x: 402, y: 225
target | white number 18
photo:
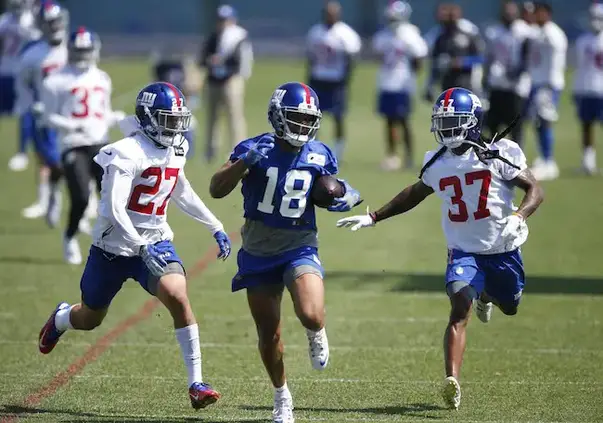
x: 291, y: 193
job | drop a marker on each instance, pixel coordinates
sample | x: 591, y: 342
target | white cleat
x: 391, y: 163
x: 84, y: 226
x: 483, y: 310
x: 318, y: 349
x: 451, y: 392
x: 18, y: 162
x: 545, y: 170
x: 71, y: 251
x: 53, y: 214
x: 283, y: 410
x: 35, y: 211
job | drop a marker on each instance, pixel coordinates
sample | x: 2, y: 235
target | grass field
x: 385, y: 301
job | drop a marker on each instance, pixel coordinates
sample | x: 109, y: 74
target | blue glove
x: 151, y: 257
x: 259, y: 150
x: 350, y: 199
x: 223, y: 243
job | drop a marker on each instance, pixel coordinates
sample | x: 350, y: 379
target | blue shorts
x: 394, y: 105
x: 105, y: 273
x: 46, y: 144
x: 7, y: 94
x: 590, y: 108
x: 257, y: 271
x: 332, y: 96
x: 501, y: 276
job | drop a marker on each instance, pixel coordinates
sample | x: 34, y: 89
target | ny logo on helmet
x: 278, y: 95
x: 147, y: 99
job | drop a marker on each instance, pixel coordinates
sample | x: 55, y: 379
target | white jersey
x: 476, y: 197
x: 330, y: 50
x: 548, y: 51
x: 16, y: 31
x: 397, y: 49
x: 138, y: 182
x: 505, y: 49
x: 78, y: 104
x: 37, y: 62
x: 588, y: 78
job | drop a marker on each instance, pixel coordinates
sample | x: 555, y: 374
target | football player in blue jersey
x: 278, y: 170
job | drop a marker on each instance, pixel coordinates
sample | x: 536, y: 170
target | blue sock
x: 25, y: 131
x: 545, y: 138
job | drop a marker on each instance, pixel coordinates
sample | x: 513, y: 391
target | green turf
x: 386, y: 305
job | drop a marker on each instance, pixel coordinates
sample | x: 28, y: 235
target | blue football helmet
x: 294, y: 113
x: 457, y: 118
x: 397, y: 12
x: 52, y: 20
x: 84, y: 48
x: 162, y: 113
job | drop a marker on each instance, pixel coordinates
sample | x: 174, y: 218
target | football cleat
x: 35, y: 211
x: 283, y: 410
x: 391, y: 163
x: 451, y: 392
x: 49, y: 335
x: 71, y: 251
x: 202, y: 395
x: 483, y: 310
x: 318, y: 348
x: 18, y: 162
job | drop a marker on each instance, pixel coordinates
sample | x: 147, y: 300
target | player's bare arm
x: 227, y: 178
x: 534, y: 193
x: 407, y: 199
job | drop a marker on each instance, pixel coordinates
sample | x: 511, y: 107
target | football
x: 326, y: 188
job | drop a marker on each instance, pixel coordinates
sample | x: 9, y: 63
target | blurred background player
x: 527, y: 13
x: 280, y: 242
x: 331, y: 47
x: 401, y: 49
x: 77, y: 103
x: 588, y: 85
x: 227, y: 58
x: 38, y: 61
x: 183, y: 74
x: 457, y: 51
x: 132, y: 238
x: 546, y: 65
x: 17, y: 30
x: 441, y: 17
x: 484, y: 230
x: 507, y: 80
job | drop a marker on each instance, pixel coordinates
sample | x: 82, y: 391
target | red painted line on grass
x: 104, y: 342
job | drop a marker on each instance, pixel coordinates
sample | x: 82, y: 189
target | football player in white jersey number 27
x: 76, y: 101
x: 132, y: 238
x: 483, y: 229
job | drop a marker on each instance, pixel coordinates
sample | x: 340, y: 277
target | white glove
x: 356, y: 222
x: 153, y: 260
x: 38, y: 109
x: 118, y: 115
x: 515, y: 231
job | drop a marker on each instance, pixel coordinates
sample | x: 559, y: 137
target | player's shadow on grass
x: 413, y: 410
x: 30, y: 260
x: 408, y: 282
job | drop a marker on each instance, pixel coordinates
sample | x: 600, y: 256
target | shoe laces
x: 317, y: 343
x: 283, y: 408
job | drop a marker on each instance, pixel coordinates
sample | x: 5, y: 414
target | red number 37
x: 462, y: 214
x: 135, y: 204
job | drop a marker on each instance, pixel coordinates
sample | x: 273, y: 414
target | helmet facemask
x: 166, y: 125
x: 297, y: 126
x: 453, y: 129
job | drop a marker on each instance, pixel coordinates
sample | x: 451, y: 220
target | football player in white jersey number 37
x: 132, y: 238
x: 474, y: 178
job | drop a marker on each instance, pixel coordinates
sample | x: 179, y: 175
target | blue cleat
x: 49, y: 335
x: 202, y: 395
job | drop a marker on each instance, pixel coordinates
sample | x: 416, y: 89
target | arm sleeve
x: 354, y: 43
x: 189, y: 202
x: 426, y: 175
x: 513, y: 153
x: 119, y: 186
x: 245, y: 58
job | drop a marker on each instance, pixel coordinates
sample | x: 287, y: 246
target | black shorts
x: 504, y: 107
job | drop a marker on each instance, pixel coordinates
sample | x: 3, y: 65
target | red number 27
x: 462, y: 215
x: 135, y: 205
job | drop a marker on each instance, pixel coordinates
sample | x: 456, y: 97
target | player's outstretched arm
x: 227, y: 178
x: 406, y: 200
x: 534, y: 194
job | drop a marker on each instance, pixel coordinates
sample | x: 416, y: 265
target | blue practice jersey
x: 277, y: 190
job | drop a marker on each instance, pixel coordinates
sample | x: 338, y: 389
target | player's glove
x: 151, y: 257
x: 223, y: 243
x: 357, y: 222
x: 37, y: 109
x: 515, y: 231
x: 350, y: 199
x: 259, y: 150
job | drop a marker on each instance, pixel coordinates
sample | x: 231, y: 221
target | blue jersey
x: 276, y: 191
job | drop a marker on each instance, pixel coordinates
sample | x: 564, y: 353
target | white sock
x: 590, y: 158
x: 43, y: 193
x: 281, y: 392
x: 312, y: 333
x: 188, y: 338
x: 62, y: 320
